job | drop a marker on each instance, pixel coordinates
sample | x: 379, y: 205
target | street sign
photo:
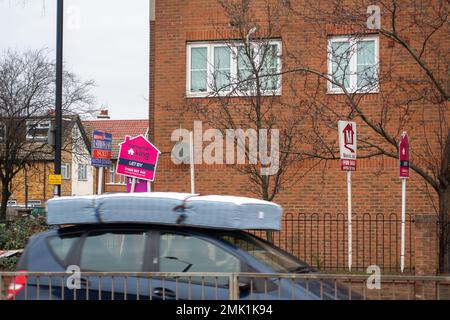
x: 138, y: 158
x: 347, y: 145
x: 403, y: 156
x: 55, y: 179
x: 101, y: 149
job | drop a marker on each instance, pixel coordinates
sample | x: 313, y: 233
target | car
x: 206, y: 255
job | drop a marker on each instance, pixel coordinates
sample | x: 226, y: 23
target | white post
x: 133, y: 185
x: 100, y: 180
x: 191, y: 159
x: 349, y: 200
x: 402, y: 253
x: 149, y: 186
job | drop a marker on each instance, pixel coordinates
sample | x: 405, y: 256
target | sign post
x: 347, y: 147
x: 101, y: 154
x: 403, y: 156
x: 191, y: 160
x: 137, y: 159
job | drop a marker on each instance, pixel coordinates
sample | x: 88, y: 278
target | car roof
x: 147, y: 226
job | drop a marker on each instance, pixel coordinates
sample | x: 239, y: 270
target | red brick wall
x: 376, y: 186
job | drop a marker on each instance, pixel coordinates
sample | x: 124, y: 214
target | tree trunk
x: 5, y: 197
x: 265, y: 196
x: 444, y: 231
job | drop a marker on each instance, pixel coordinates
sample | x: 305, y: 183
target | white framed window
x: 353, y: 63
x: 82, y: 172
x: 112, y: 175
x: 38, y: 129
x: 12, y: 203
x: 121, y: 179
x: 115, y: 178
x: 65, y: 171
x: 223, y: 68
x: 34, y: 203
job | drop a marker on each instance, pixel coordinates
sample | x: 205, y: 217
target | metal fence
x: 321, y: 240
x: 215, y: 286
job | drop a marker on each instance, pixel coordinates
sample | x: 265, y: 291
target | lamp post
x: 58, y: 91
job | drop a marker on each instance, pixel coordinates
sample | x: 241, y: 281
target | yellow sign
x: 54, y: 179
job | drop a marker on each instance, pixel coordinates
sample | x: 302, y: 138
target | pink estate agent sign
x: 138, y: 158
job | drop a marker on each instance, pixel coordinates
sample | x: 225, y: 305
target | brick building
x: 187, y: 37
x: 30, y: 187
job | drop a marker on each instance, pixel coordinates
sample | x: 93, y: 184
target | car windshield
x: 275, y: 258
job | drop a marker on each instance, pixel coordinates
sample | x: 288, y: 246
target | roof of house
x: 118, y: 128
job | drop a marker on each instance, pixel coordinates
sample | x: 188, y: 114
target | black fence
x: 321, y: 241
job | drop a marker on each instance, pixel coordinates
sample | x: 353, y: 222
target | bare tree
x: 26, y: 109
x: 340, y: 63
x: 408, y: 85
x: 243, y: 94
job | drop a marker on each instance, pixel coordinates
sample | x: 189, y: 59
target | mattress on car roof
x: 225, y: 212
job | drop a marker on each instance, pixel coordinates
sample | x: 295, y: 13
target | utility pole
x: 58, y: 102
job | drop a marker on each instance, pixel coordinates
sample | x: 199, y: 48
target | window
x: 183, y: 253
x: 219, y: 68
x: 113, y: 252
x: 61, y: 245
x: 12, y: 203
x: 65, y: 171
x: 38, y: 130
x: 112, y: 176
x: 115, y: 178
x: 121, y: 179
x: 353, y: 63
x: 278, y: 260
x: 82, y: 172
x: 2, y: 132
x: 34, y: 203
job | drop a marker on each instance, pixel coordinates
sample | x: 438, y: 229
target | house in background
x: 114, y: 182
x: 30, y: 187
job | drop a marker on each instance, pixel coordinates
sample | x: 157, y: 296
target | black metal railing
x: 321, y: 241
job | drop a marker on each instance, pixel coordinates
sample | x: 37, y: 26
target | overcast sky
x: 104, y: 40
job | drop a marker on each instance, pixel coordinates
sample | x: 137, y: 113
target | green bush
x: 15, y: 235
x: 9, y: 264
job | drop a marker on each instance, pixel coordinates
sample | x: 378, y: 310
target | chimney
x: 103, y: 114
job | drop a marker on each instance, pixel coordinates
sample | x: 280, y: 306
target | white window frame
x: 353, y: 64
x: 67, y: 171
x: 41, y: 124
x: 11, y: 203
x: 111, y: 171
x: 233, y: 68
x: 118, y: 178
x: 79, y: 170
x: 34, y: 203
x: 121, y: 179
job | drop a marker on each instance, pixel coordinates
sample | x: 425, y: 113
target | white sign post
x: 100, y: 181
x: 191, y: 160
x: 403, y: 156
x: 347, y: 147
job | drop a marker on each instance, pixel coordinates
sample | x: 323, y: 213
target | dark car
x: 154, y: 248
